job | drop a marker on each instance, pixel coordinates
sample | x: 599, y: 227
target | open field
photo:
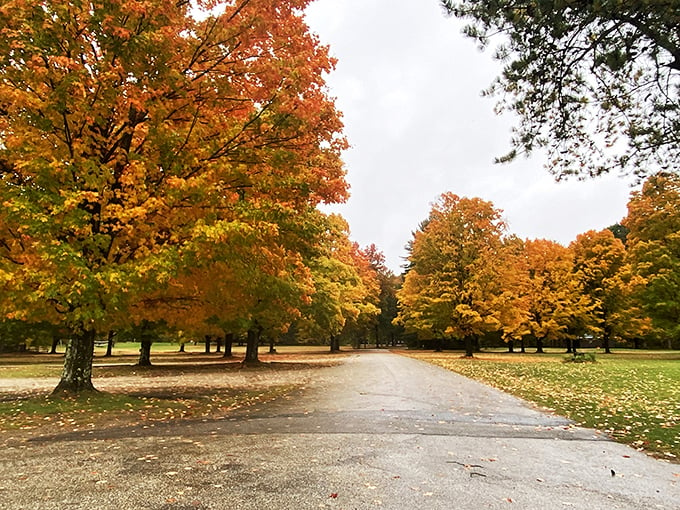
x: 190, y: 385
x: 634, y: 396
x: 22, y: 365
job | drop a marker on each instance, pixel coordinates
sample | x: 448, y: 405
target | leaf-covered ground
x: 176, y: 388
x: 633, y: 397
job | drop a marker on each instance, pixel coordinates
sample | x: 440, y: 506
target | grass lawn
x: 199, y: 385
x: 632, y: 395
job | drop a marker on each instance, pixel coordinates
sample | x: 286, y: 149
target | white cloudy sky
x: 409, y: 83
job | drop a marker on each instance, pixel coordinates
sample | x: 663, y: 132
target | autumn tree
x: 343, y: 286
x: 654, y: 250
x: 385, y: 330
x: 513, y: 301
x: 594, y: 82
x: 451, y: 287
x: 606, y: 278
x: 131, y: 129
x: 554, y: 297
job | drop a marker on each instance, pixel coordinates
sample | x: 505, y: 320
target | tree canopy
x: 595, y: 82
x: 133, y: 132
x: 451, y: 287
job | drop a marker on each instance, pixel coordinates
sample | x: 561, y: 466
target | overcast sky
x: 408, y: 83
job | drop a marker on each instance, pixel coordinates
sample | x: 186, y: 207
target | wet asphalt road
x: 379, y: 431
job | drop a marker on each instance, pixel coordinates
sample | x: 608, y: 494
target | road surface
x: 379, y: 431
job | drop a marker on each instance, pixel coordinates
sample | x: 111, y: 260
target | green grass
x: 633, y: 396
x: 23, y: 365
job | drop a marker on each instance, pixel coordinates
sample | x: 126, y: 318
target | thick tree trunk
x: 55, y: 342
x: 218, y: 344
x: 77, y: 374
x: 469, y: 347
x: 511, y: 346
x: 109, y: 344
x: 252, y: 345
x: 145, y: 353
x: 228, y: 343
x: 539, y: 346
x: 335, y: 343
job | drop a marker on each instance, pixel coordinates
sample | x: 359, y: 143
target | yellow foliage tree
x: 452, y: 286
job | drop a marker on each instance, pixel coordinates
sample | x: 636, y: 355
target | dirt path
x: 379, y: 431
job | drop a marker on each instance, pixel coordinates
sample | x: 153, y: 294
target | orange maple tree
x: 130, y: 130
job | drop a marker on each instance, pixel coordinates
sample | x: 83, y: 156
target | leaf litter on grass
x: 635, y: 401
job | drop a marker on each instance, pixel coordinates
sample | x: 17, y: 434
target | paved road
x: 380, y: 431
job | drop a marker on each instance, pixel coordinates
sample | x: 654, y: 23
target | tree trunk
x: 145, y: 353
x: 272, y: 347
x: 522, y: 346
x: 208, y: 338
x: 511, y: 346
x: 377, y: 337
x: 469, y: 347
x: 228, y: 342
x: 335, y: 343
x: 570, y: 346
x: 606, y: 340
x: 438, y: 345
x: 218, y: 344
x: 539, y: 346
x: 55, y: 342
x: 109, y: 344
x: 181, y: 347
x: 77, y: 374
x: 252, y: 345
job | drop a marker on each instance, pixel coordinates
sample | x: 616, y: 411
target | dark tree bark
x: 606, y: 340
x: 77, y: 374
x: 522, y: 346
x: 272, y: 347
x: 109, y: 344
x: 438, y: 345
x: 539, y: 346
x: 228, y: 343
x: 335, y: 343
x: 181, y: 347
x: 55, y: 342
x: 208, y: 339
x: 469, y: 347
x: 570, y: 346
x: 145, y: 353
x: 218, y: 344
x: 511, y: 346
x: 252, y: 343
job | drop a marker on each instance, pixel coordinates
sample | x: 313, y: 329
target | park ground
x: 631, y: 395
x: 309, y: 430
